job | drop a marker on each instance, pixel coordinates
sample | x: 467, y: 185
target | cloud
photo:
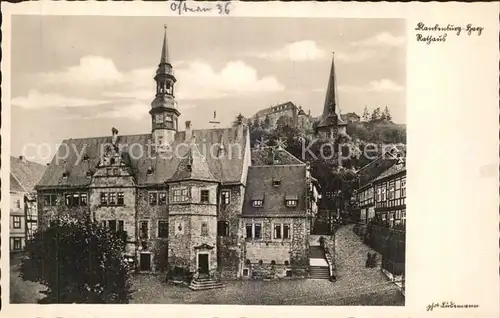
x: 195, y: 80
x: 37, y: 100
x: 92, y: 70
x: 381, y: 39
x: 380, y: 86
x: 306, y: 50
x: 133, y: 111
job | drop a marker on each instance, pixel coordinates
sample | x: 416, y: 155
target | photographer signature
x: 449, y: 304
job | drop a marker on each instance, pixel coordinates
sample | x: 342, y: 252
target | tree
x: 239, y: 119
x: 78, y: 262
x: 267, y: 123
x: 256, y: 123
x: 376, y: 114
x: 366, y: 114
x: 387, y: 114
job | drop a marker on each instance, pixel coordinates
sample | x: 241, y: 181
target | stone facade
x: 187, y: 210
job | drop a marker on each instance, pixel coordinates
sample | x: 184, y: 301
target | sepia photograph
x: 240, y: 159
x: 256, y: 163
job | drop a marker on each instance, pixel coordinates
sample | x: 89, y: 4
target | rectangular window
x: 121, y: 226
x: 205, y: 196
x: 257, y: 231
x: 162, y: 198
x: 109, y: 171
x: 286, y: 231
x: 291, y: 203
x: 382, y: 196
x: 120, y: 198
x: 225, y: 197
x: 379, y: 192
x: 257, y: 203
x: 153, y: 198
x: 403, y: 216
x: 277, y: 231
x: 144, y: 229
x: 112, y: 198
x: 116, y: 171
x: 17, y: 243
x: 276, y: 183
x: 76, y: 199
x: 249, y: 230
x: 83, y: 199
x: 112, y: 225
x: 181, y: 195
x: 222, y: 228
x: 16, y: 222
x: 204, y: 229
x: 18, y: 204
x: 104, y: 198
x: 162, y: 229
x: 403, y: 188
x: 67, y: 200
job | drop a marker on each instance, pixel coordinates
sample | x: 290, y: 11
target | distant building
x: 23, y: 208
x: 287, y: 113
x: 331, y: 124
x: 350, y: 118
x: 213, y: 208
x: 390, y: 195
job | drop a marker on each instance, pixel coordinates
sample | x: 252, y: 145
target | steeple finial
x: 164, y: 50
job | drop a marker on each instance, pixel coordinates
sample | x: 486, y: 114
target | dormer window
x: 291, y: 200
x: 276, y: 183
x: 86, y: 157
x: 88, y: 174
x: 258, y: 200
x: 257, y: 203
x: 65, y: 175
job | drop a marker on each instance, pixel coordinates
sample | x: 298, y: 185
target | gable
x: 260, y: 185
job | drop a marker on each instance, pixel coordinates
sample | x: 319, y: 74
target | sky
x: 79, y: 76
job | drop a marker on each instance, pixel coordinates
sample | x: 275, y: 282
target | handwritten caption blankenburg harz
x: 443, y: 30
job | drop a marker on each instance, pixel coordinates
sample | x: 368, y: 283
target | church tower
x: 164, y: 112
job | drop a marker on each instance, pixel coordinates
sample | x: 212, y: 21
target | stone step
x: 196, y: 285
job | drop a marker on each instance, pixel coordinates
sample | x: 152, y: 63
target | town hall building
x: 197, y: 199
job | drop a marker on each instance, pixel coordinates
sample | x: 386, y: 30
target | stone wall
x: 229, y: 247
x: 153, y: 213
x: 295, y: 250
x: 46, y: 214
x: 185, y: 227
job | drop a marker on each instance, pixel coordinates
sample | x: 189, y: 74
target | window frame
x: 14, y: 222
x: 162, y: 198
x: 257, y: 203
x: 222, y: 227
x: 204, y: 196
x: 225, y: 197
x: 161, y: 229
x: 141, y: 229
x: 291, y: 203
x: 16, y: 240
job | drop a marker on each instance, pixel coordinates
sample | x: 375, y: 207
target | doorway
x: 203, y: 264
x: 145, y: 262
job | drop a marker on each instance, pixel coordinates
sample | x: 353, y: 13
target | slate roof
x: 260, y: 185
x: 24, y: 174
x: 393, y: 170
x: 263, y: 157
x: 228, y: 168
x: 193, y: 166
x: 374, y: 169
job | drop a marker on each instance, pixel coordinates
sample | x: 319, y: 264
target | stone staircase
x: 319, y: 272
x: 204, y: 283
x: 318, y: 264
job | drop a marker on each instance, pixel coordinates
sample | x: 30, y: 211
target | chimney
x: 22, y: 159
x: 189, y: 133
x: 240, y: 128
x: 114, y: 134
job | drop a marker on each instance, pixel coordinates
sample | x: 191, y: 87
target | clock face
x: 159, y: 119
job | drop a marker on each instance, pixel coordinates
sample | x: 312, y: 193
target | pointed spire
x: 331, y: 92
x: 165, y: 58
